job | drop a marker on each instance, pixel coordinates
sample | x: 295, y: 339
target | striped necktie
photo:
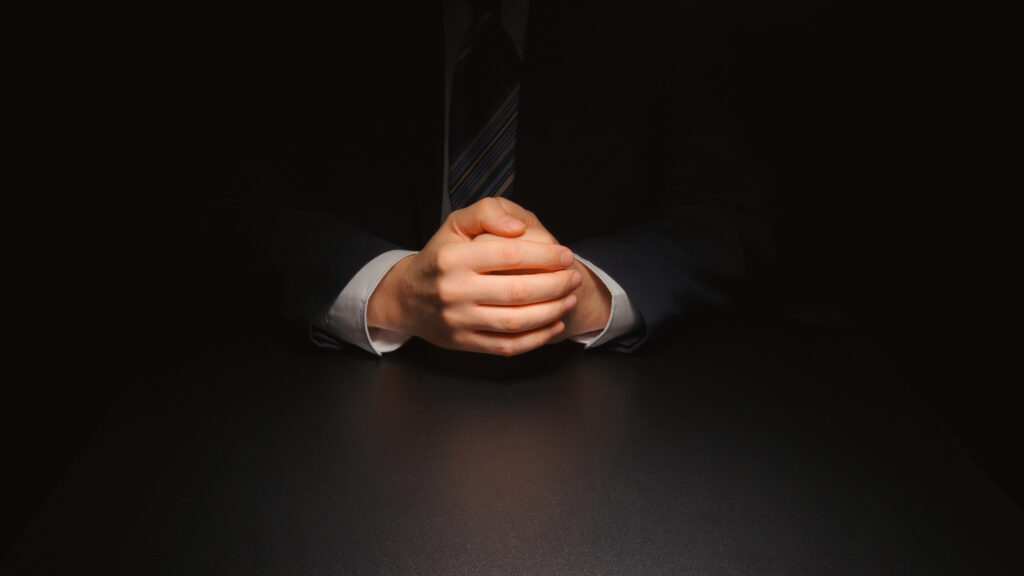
x: 484, y: 113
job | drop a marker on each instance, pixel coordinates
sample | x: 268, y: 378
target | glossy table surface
x: 757, y: 446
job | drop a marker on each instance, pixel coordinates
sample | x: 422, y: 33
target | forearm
x: 277, y: 257
x: 618, y: 324
x: 350, y: 318
x: 594, y: 308
x: 697, y: 257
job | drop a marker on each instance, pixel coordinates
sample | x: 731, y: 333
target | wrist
x: 384, y: 309
x: 594, y: 305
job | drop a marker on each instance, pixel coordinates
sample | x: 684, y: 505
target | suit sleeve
x: 709, y: 240
x: 274, y: 258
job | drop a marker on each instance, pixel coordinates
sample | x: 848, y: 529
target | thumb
x: 488, y: 215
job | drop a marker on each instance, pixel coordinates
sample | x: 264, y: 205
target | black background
x: 891, y: 136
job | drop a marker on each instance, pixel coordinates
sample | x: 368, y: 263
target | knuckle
x: 511, y: 254
x: 513, y: 323
x: 518, y: 291
x: 449, y: 318
x: 447, y: 291
x: 506, y: 349
x: 458, y: 339
x: 446, y: 260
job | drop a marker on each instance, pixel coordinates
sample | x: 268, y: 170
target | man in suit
x: 622, y: 149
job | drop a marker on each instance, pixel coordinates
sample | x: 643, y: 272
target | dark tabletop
x: 753, y: 446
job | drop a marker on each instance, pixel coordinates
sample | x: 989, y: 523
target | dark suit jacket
x: 625, y: 154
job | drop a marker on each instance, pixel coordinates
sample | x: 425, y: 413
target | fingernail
x: 570, y: 301
x: 557, y: 328
x: 513, y: 223
x: 576, y: 280
x: 567, y: 258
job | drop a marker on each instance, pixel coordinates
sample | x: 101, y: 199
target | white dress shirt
x: 345, y: 320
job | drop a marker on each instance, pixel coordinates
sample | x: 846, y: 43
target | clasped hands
x: 492, y: 279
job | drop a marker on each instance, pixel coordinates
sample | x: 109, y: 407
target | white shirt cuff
x: 624, y: 317
x: 345, y: 320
